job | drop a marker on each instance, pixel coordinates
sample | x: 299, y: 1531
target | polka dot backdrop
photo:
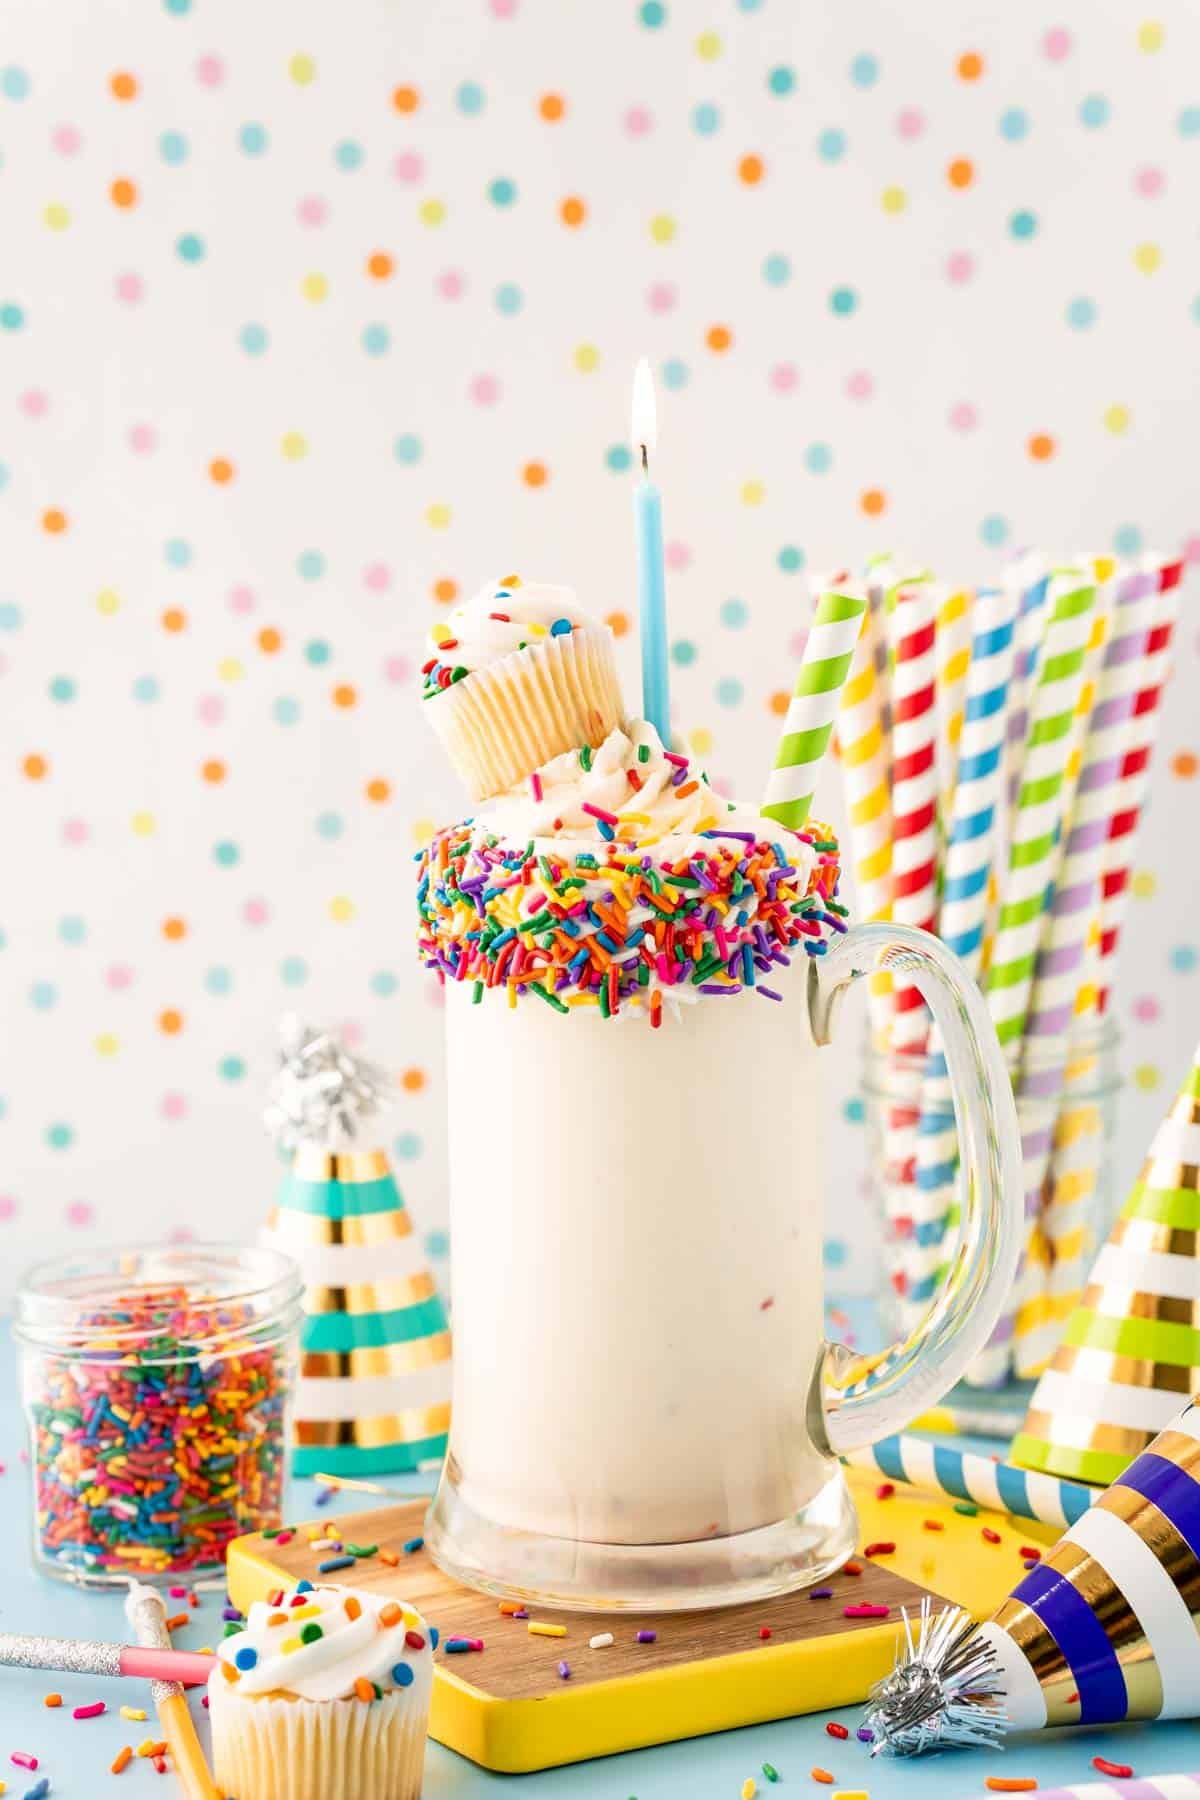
x: 310, y: 322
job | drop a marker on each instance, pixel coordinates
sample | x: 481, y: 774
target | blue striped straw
x: 965, y: 1475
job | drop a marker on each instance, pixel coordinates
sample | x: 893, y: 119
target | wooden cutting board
x: 508, y: 1708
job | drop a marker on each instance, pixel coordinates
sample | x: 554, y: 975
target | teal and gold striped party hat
x: 1130, y: 1354
x: 374, y: 1390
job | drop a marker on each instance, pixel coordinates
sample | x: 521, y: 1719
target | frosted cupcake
x: 325, y: 1692
x: 515, y: 677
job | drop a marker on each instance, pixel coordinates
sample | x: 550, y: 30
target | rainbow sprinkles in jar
x: 615, y: 878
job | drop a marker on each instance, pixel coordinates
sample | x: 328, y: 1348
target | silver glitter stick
x: 76, y: 1656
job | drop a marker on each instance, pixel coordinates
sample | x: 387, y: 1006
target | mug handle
x: 866, y: 1399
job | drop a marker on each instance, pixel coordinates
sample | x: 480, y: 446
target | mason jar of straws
x: 156, y: 1382
x: 1066, y: 1106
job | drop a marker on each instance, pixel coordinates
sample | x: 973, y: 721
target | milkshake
x: 638, y: 1177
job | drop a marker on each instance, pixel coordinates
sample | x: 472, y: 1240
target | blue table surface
x: 75, y: 1755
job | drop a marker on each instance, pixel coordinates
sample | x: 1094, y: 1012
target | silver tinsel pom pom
x: 321, y: 1092
x: 945, y: 1690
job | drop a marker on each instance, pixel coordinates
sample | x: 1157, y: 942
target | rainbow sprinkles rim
x: 616, y: 928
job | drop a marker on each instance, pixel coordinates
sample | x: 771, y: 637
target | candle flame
x: 644, y: 414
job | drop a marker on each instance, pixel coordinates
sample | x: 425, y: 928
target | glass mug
x: 646, y: 1415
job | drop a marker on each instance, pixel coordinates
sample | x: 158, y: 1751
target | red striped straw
x: 1135, y: 771
x: 914, y: 784
x: 912, y: 632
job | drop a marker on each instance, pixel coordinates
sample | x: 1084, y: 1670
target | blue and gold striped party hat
x: 374, y: 1390
x: 1102, y: 1630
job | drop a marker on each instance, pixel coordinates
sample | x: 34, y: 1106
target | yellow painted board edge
x: 660, y: 1706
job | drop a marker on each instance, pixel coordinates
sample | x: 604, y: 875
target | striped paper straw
x: 1028, y: 576
x: 911, y: 627
x: 963, y: 1475
x: 914, y: 782
x: 862, y: 749
x: 810, y: 716
x: 1062, y: 988
x: 1056, y: 726
x: 953, y: 647
x: 1050, y: 770
x: 967, y: 863
x: 1123, y: 832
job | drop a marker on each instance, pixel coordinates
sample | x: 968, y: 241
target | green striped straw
x: 1050, y: 770
x: 813, y: 709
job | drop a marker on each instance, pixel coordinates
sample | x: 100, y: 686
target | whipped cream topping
x: 497, y: 621
x: 656, y: 797
x: 318, y: 1642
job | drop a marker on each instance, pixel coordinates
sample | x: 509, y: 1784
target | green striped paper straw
x: 813, y: 709
x: 1049, y: 772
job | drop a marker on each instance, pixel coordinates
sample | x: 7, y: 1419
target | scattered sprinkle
x: 91, y: 1711
x: 851, y: 1568
x: 39, y: 1790
x: 865, y: 1735
x: 865, y: 1612
x: 363, y: 1688
x: 820, y: 1593
x: 770, y: 1771
x: 1029, y: 1553
x: 989, y: 1536
x: 1121, y: 1771
x: 413, y: 1545
x: 749, y: 1788
x: 967, y: 1508
x: 537, y: 1629
x: 885, y: 1490
x: 23, y: 1759
x: 764, y: 1631
x: 137, y: 1713
x: 647, y: 1637
x: 389, y: 1557
x: 564, y: 1671
x: 510, y: 1608
x: 822, y: 1775
x: 52, y: 1700
x: 601, y: 1641
x: 333, y: 1563
x: 121, y: 1760
x: 933, y: 1524
x: 885, y: 1547
x: 178, y: 1620
x: 834, y: 1730
x: 1010, y: 1784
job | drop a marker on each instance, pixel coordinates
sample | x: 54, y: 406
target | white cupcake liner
x: 279, y: 1747
x: 501, y: 722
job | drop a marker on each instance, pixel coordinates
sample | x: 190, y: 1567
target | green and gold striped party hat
x: 1130, y: 1354
x: 374, y: 1390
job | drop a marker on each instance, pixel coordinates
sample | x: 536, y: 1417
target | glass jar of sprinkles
x: 157, y: 1383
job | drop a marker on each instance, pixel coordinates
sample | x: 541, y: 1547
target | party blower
x: 1102, y: 1630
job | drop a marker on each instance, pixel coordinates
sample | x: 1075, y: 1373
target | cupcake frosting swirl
x: 497, y: 621
x: 319, y: 1643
